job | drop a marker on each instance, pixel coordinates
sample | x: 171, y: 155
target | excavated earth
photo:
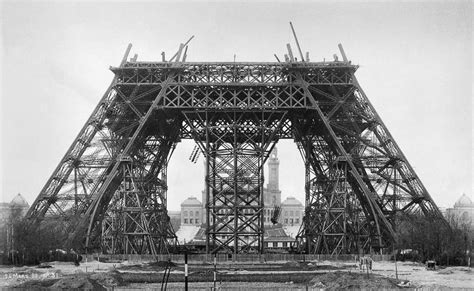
x: 321, y: 275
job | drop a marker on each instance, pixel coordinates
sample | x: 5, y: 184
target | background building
x: 272, y: 193
x: 10, y: 213
x: 193, y: 212
x: 291, y: 211
x: 462, y: 213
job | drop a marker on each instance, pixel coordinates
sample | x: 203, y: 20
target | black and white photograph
x: 236, y: 145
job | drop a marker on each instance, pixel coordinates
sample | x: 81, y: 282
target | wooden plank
x: 290, y: 52
x: 297, y: 42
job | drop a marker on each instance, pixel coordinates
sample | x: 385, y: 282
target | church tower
x: 272, y: 193
x: 273, y: 170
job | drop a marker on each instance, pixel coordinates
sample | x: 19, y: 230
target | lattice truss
x: 109, y: 190
x: 236, y: 145
x: 378, y: 181
x: 135, y: 221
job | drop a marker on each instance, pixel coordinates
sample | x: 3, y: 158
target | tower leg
x: 334, y: 220
x: 136, y: 220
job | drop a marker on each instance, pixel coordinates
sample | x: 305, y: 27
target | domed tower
x: 18, y: 206
x: 463, y: 212
x: 464, y: 202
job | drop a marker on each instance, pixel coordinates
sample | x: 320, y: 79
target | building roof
x: 191, y: 201
x: 464, y: 201
x: 18, y: 200
x: 291, y: 201
x: 276, y: 233
x: 279, y: 239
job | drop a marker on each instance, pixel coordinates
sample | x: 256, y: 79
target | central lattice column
x: 236, y: 145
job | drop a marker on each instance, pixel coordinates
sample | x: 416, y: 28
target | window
x: 197, y: 213
x: 291, y: 220
x: 291, y: 213
x: 297, y: 220
x: 197, y: 220
x: 286, y: 213
x: 185, y: 213
x: 286, y: 220
x: 285, y: 244
x: 191, y: 221
x: 185, y: 220
x: 191, y: 213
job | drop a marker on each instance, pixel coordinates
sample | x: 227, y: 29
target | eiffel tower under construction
x: 109, y: 191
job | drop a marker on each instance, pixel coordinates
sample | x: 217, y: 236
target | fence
x: 224, y: 258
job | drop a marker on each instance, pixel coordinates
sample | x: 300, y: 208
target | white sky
x: 415, y: 66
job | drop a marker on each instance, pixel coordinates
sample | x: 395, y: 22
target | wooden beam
x: 185, y: 53
x: 185, y: 44
x: 125, y: 56
x: 343, y: 53
x: 178, y: 54
x: 290, y: 52
x: 297, y: 43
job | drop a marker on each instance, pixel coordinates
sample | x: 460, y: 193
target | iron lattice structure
x: 109, y: 190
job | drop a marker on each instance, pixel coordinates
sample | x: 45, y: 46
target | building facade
x: 10, y: 213
x: 462, y: 213
x: 191, y: 212
x: 292, y: 211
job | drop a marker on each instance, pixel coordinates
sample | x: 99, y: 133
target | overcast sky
x: 415, y: 66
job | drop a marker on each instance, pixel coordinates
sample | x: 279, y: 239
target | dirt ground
x: 449, y: 277
x: 326, y: 275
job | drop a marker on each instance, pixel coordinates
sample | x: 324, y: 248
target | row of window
x: 244, y: 211
x: 267, y: 219
x: 287, y: 220
x: 190, y: 213
x: 269, y: 214
x: 277, y: 244
x: 267, y: 244
x: 291, y: 221
x: 191, y: 221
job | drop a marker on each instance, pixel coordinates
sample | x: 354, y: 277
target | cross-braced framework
x: 109, y: 190
x: 136, y: 221
x: 236, y: 145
